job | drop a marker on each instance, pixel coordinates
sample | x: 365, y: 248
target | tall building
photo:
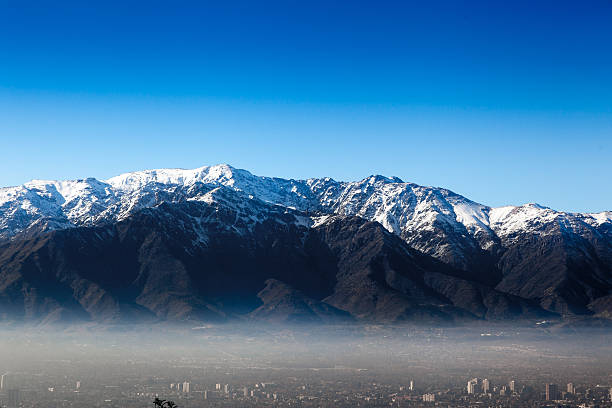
x: 218, y: 387
x: 411, y: 387
x: 186, y: 386
x: 226, y: 388
x: 552, y: 393
x: 486, y: 386
x: 474, y: 386
x: 4, y: 382
x: 78, y: 385
x: 512, y: 386
x: 13, y: 398
x: 245, y: 391
x: 571, y: 389
x: 205, y: 395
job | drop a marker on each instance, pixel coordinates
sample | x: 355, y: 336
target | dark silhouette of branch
x: 160, y: 403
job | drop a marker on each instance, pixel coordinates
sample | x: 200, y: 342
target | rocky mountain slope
x: 389, y: 251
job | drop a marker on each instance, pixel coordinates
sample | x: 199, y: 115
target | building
x: 205, y: 395
x: 552, y: 393
x: 429, y: 397
x: 4, y: 382
x: 226, y: 388
x: 13, y: 398
x: 571, y: 389
x: 218, y: 387
x: 486, y: 386
x: 411, y: 387
x: 245, y: 392
x: 512, y: 386
x: 78, y: 385
x: 186, y: 386
x: 474, y: 386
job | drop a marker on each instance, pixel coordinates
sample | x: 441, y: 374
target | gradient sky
x: 503, y: 102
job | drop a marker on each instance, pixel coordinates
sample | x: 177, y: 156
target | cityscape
x: 479, y: 392
x: 341, y: 367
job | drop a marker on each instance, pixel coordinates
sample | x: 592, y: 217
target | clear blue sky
x: 503, y: 102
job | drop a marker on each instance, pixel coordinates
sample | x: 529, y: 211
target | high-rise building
x: 245, y: 392
x: 474, y: 386
x: 552, y: 393
x: 570, y: 388
x: 226, y: 388
x: 13, y: 398
x: 218, y: 387
x: 4, y: 382
x: 411, y: 387
x: 512, y: 386
x: 186, y: 386
x: 205, y: 395
x: 78, y: 385
x: 486, y: 386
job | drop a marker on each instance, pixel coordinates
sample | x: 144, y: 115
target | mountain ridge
x: 560, y: 260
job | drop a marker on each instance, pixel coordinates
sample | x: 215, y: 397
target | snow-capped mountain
x: 562, y: 260
x: 433, y: 220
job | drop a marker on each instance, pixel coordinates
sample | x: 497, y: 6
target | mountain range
x: 218, y: 244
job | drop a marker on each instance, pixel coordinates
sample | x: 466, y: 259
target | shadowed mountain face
x: 217, y: 243
x: 200, y: 262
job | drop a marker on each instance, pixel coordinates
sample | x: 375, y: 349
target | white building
x: 486, y: 386
x: 474, y: 386
x: 429, y: 397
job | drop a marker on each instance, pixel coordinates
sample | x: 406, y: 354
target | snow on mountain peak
x: 602, y: 217
x: 221, y: 174
x: 416, y: 213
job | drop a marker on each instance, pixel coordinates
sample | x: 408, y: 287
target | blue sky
x: 503, y: 102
